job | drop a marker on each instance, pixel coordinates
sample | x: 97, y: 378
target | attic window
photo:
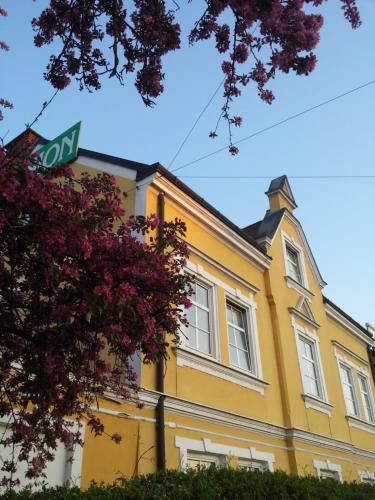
x: 293, y: 262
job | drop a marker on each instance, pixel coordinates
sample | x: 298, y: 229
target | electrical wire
x: 277, y: 124
x: 195, y: 123
x: 274, y: 176
x: 266, y: 129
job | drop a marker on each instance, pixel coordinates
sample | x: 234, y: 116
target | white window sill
x: 292, y: 283
x: 359, y: 423
x: 198, y: 361
x: 317, y: 404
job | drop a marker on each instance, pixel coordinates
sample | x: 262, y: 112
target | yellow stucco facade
x: 270, y: 375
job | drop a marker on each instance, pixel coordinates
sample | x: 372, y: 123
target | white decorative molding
x: 230, y: 274
x: 199, y: 270
x: 207, y: 446
x: 366, y: 476
x: 204, y: 413
x: 350, y: 328
x: 104, y: 166
x: 211, y: 223
x: 249, y: 307
x: 292, y: 243
x: 337, y: 344
x: 317, y: 404
x: 322, y: 465
x: 359, y: 423
x: 291, y: 283
x: 302, y: 316
x: 140, y: 206
x: 306, y: 247
x: 186, y: 357
x: 312, y: 337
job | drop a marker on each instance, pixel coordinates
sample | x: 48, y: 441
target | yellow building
x: 270, y: 374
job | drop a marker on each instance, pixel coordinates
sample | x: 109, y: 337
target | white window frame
x: 368, y: 413
x: 289, y: 241
x: 319, y: 402
x: 213, y: 320
x: 188, y: 447
x: 367, y: 477
x: 249, y: 309
x: 346, y: 366
x: 214, y: 460
x: 253, y: 465
x: 327, y: 465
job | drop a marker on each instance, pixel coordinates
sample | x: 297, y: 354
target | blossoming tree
x: 113, y: 38
x: 81, y: 291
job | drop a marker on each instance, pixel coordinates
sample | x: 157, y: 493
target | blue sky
x: 338, y: 139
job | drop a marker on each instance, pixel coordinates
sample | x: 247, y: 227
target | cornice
x: 246, y: 284
x: 291, y: 283
x: 197, y: 411
x: 351, y: 353
x: 213, y: 224
x: 187, y: 358
x: 334, y: 315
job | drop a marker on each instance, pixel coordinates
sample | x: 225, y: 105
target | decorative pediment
x: 304, y: 308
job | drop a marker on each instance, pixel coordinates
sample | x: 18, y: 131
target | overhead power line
x: 266, y: 129
x: 195, y: 123
x: 277, y: 124
x: 274, y: 176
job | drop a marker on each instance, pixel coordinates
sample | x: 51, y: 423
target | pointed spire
x: 280, y: 194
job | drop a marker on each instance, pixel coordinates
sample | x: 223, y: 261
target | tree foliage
x: 80, y: 293
x: 114, y: 38
x: 256, y: 37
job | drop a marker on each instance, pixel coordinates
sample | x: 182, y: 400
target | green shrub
x: 209, y: 484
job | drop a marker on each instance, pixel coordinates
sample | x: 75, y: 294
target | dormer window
x: 294, y: 265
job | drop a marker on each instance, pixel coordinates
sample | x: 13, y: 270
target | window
x: 328, y: 474
x: 309, y: 367
x: 253, y: 465
x: 198, y: 461
x: 293, y: 264
x: 238, y: 338
x: 348, y: 390
x: 325, y: 469
x: 366, y: 398
x: 199, y: 331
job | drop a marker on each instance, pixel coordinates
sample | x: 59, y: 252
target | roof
x: 144, y: 170
x: 346, y: 316
x: 266, y: 227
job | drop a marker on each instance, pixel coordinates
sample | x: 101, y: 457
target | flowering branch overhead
x: 113, y: 38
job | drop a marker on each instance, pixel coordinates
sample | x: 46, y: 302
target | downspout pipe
x: 160, y: 429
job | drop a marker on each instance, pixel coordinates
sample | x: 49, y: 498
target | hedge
x: 209, y: 484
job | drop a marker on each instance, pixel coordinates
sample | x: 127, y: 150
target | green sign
x: 63, y: 149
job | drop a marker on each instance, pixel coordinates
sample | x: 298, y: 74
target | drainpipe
x: 160, y: 429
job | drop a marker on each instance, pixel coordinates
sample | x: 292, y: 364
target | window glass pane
x: 241, y: 340
x: 204, y: 342
x: 203, y: 319
x: 366, y: 398
x: 192, y: 337
x: 243, y: 357
x: 202, y: 295
x: 231, y: 335
x: 233, y: 355
x: 293, y: 264
x: 191, y: 315
x: 238, y: 318
x: 229, y: 314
